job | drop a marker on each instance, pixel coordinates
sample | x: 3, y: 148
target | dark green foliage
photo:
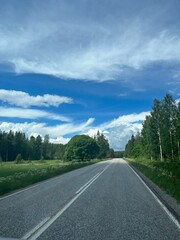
x: 119, y: 154
x: 11, y: 144
x: 103, y: 144
x: 35, y: 148
x: 57, y: 151
x: 129, y: 147
x: 160, y: 135
x: 81, y: 148
x: 165, y: 174
x: 35, y: 145
x: 110, y: 153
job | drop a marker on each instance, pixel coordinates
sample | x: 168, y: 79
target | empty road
x: 102, y: 201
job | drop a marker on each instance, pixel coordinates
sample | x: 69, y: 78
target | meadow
x: 14, y: 176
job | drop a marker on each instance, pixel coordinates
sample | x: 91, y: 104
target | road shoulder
x: 171, y: 203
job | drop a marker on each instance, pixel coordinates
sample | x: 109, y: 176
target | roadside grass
x: 14, y: 176
x: 165, y: 174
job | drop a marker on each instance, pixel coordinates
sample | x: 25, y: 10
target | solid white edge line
x: 157, y: 199
x: 86, y: 183
x: 53, y: 219
x: 35, y: 229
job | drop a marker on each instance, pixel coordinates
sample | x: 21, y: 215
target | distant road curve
x: 102, y: 201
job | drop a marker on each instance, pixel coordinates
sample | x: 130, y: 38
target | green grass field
x: 165, y: 174
x: 14, y: 176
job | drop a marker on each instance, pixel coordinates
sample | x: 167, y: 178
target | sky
x: 75, y: 67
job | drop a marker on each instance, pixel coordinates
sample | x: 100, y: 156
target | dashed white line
x: 38, y: 230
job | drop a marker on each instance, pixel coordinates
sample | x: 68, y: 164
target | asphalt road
x: 101, y: 201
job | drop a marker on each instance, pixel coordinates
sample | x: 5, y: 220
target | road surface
x: 102, y: 201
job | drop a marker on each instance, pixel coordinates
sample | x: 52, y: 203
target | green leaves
x: 160, y: 135
x: 103, y: 144
x: 81, y: 148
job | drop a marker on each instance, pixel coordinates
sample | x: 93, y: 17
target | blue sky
x: 74, y: 67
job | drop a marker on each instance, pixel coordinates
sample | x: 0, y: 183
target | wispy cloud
x: 23, y: 99
x: 71, y: 45
x: 106, y: 61
x: 123, y: 94
x: 31, y: 114
x: 125, y: 119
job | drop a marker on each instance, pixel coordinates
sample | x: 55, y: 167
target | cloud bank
x: 117, y: 131
x: 56, y: 133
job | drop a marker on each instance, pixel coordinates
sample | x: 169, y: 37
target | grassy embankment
x: 14, y: 176
x: 165, y: 174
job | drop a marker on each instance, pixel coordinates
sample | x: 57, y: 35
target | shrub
x: 18, y: 159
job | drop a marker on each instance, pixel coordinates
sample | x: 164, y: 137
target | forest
x: 16, y: 146
x: 13, y: 144
x: 159, y: 138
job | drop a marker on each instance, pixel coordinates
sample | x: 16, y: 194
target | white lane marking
x: 47, y: 224
x: 158, y: 200
x: 87, y: 183
x: 30, y: 233
x: 34, y: 185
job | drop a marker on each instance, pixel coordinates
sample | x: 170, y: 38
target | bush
x: 18, y: 159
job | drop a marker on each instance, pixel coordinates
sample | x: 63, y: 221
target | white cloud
x: 125, y: 119
x: 31, y: 114
x: 59, y: 140
x: 28, y: 128
x: 56, y: 133
x: 69, y: 128
x: 177, y: 101
x: 68, y: 44
x: 13, y: 97
x: 118, y: 136
x: 106, y: 61
x: 33, y: 129
x: 119, y: 131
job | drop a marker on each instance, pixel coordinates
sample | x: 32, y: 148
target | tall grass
x: 14, y: 176
x: 165, y: 174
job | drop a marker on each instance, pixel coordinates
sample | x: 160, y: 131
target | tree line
x: 16, y: 146
x: 159, y: 138
x: 35, y: 148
